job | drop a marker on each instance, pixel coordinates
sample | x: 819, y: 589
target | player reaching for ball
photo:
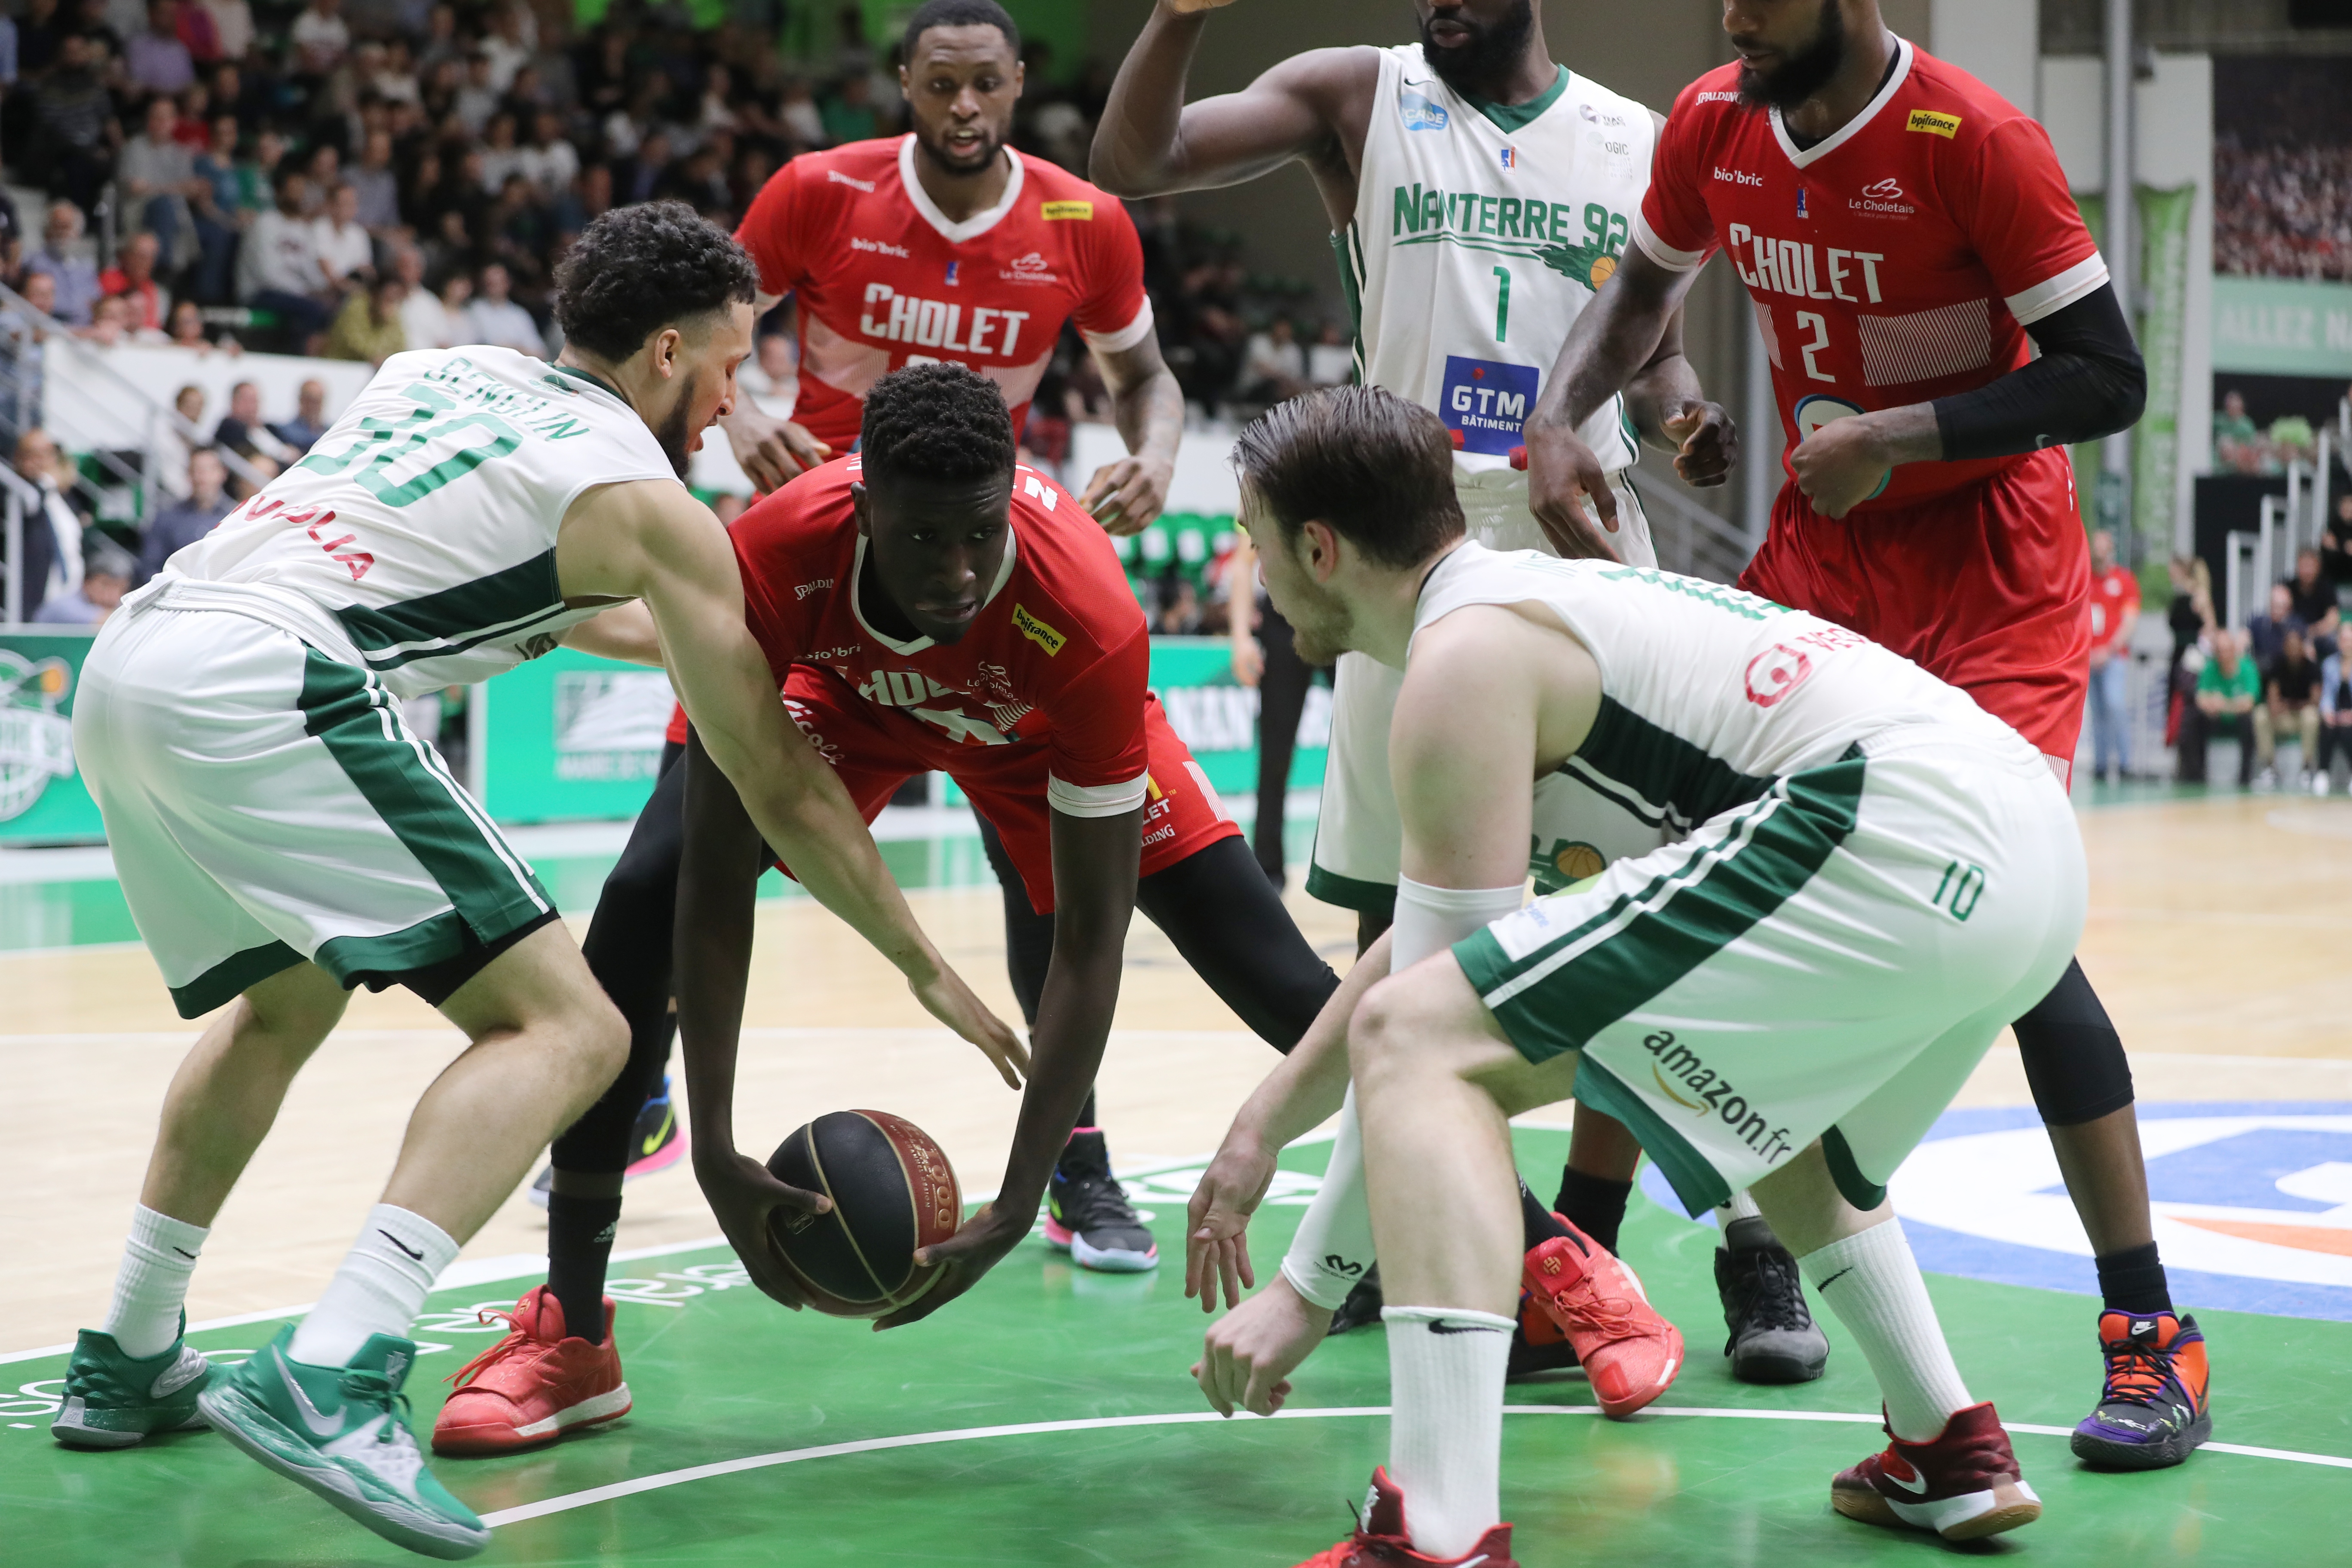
x: 1878, y: 876
x: 283, y: 837
x: 944, y: 244
x: 1903, y: 232
x: 926, y: 605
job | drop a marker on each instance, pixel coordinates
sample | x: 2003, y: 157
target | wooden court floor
x: 2220, y: 934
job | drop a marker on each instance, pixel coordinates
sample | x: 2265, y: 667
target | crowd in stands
x: 2283, y: 676
x: 2242, y: 447
x: 355, y: 177
x: 2289, y: 212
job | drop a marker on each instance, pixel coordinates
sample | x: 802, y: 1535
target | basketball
x: 893, y: 1191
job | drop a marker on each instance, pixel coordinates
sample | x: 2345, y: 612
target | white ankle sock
x: 1741, y: 1207
x: 153, y: 1284
x: 1872, y: 1282
x: 1445, y: 1422
x: 380, y: 1289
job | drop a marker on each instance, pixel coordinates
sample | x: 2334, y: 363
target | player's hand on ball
x: 1217, y: 1243
x: 962, y: 1259
x: 1707, y: 440
x: 743, y: 1197
x: 1248, y: 1357
x: 1564, y: 478
x: 771, y: 450
x: 1840, y: 465
x: 1125, y: 496
x: 947, y: 998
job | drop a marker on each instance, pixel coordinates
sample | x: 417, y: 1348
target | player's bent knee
x: 1425, y: 1020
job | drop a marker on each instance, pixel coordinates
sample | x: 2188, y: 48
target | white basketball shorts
x: 1829, y: 961
x: 266, y: 804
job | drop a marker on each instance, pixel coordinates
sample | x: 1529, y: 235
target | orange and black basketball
x: 892, y: 1192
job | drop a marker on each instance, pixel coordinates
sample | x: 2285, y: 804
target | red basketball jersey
x: 884, y: 278
x: 1057, y: 657
x: 1895, y: 262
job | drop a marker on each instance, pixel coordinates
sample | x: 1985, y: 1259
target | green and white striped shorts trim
x: 266, y: 804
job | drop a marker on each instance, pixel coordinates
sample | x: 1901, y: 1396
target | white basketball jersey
x: 418, y: 538
x: 1707, y: 693
x: 1481, y: 232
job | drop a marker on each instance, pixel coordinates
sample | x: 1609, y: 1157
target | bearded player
x: 1903, y: 232
x: 1479, y: 194
x: 926, y: 604
x: 947, y: 244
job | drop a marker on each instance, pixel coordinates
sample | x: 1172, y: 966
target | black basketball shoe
x: 1773, y: 1336
x: 1363, y: 1308
x: 1088, y: 1214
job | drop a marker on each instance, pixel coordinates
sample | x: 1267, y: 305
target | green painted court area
x: 1046, y: 1419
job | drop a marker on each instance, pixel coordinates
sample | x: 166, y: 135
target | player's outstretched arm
x: 717, y: 882
x: 1095, y: 865
x: 1151, y: 141
x: 1149, y: 408
x: 1614, y: 337
x: 651, y: 539
x: 1304, y: 1089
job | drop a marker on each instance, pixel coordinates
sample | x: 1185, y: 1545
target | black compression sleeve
x: 2088, y: 382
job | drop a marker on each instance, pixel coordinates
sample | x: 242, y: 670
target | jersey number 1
x: 1502, y: 303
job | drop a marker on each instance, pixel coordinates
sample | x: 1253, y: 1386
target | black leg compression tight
x: 1222, y: 915
x: 1282, y: 697
x: 2073, y: 1057
x: 628, y: 952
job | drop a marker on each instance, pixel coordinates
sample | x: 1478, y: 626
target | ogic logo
x: 1776, y: 672
x: 36, y: 739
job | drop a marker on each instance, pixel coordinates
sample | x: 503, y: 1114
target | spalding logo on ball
x: 893, y: 1191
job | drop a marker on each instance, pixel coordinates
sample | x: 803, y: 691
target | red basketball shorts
x: 1987, y: 588
x: 875, y: 750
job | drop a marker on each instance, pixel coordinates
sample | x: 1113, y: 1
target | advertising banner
x: 2283, y: 326
x: 570, y: 737
x: 42, y: 800
x: 2163, y: 301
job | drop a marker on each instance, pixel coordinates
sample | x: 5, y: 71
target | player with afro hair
x: 938, y: 422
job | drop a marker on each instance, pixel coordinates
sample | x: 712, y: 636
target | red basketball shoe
x: 1380, y: 1540
x: 1963, y: 1484
x: 531, y: 1386
x: 1630, y: 1353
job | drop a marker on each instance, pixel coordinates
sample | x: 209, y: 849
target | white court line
x: 667, y: 1479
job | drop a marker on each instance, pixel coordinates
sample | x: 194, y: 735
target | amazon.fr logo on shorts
x: 1684, y: 1078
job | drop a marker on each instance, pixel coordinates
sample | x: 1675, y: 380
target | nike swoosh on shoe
x: 1916, y: 1489
x: 320, y: 1425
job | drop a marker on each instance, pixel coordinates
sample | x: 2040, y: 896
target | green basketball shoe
x: 114, y: 1400
x: 339, y: 1431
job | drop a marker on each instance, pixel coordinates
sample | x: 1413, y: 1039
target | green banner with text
x: 2163, y: 298
x: 2281, y: 326
x: 42, y: 800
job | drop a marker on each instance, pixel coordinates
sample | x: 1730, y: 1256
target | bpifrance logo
x: 36, y: 739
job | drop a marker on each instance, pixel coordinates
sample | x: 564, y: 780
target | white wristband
x: 1333, y: 1248
x: 1431, y: 918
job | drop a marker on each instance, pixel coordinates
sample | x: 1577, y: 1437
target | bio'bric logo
x: 36, y: 739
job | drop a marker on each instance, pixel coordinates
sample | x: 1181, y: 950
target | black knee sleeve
x: 2073, y: 1057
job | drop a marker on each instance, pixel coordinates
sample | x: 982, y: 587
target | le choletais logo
x: 35, y: 739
